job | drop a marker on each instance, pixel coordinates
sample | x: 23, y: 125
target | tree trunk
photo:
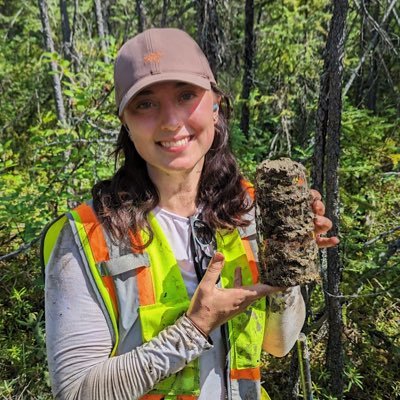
x: 248, y: 66
x: 49, y: 47
x: 100, y: 29
x: 363, y: 41
x: 373, y: 76
x: 164, y: 15
x: 209, y: 33
x: 292, y: 389
x: 141, y: 16
x: 66, y: 31
x: 334, y: 56
x: 106, y: 16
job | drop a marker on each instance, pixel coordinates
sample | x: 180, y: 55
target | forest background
x: 58, y: 126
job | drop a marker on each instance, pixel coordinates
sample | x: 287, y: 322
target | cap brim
x: 203, y: 82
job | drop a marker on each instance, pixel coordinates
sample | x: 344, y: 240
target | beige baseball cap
x: 158, y: 55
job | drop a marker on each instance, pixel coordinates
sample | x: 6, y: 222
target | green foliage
x: 46, y: 167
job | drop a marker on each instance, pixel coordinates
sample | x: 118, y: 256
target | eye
x: 144, y: 105
x: 187, y: 96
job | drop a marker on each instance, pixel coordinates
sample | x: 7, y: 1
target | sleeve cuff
x: 194, y: 333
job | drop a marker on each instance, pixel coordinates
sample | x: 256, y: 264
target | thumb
x: 214, y: 269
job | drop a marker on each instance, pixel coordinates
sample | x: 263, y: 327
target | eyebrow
x: 148, y: 92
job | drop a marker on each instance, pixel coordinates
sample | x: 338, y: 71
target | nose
x: 171, y: 118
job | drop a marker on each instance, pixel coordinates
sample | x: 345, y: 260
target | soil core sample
x: 288, y: 253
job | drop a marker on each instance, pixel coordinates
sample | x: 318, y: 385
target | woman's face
x: 172, y: 125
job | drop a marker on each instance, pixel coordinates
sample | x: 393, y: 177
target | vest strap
x: 143, y: 275
x: 249, y: 188
x: 145, y: 286
x: 94, y: 233
x: 95, y: 247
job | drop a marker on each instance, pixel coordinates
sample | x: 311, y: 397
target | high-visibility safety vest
x: 161, y: 297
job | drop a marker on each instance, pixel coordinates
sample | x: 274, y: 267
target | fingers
x: 322, y: 224
x: 325, y: 242
x: 259, y: 290
x: 315, y: 195
x: 318, y: 207
x: 211, y: 276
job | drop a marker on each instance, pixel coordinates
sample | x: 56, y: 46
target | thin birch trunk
x: 248, y: 66
x: 74, y: 55
x: 66, y: 31
x: 100, y: 29
x: 372, y: 83
x: 49, y: 46
x: 106, y: 16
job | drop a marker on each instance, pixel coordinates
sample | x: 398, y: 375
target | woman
x: 132, y: 310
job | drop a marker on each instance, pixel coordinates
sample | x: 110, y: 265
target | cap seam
x: 154, y: 68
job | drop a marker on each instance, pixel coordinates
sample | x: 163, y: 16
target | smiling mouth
x: 177, y: 143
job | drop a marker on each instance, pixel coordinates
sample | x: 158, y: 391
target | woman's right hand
x: 212, y: 306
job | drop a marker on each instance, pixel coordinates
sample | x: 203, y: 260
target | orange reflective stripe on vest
x: 143, y: 276
x: 252, y: 374
x: 145, y: 286
x: 94, y: 233
x: 152, y: 397
x: 251, y: 259
x: 98, y: 245
x: 249, y: 188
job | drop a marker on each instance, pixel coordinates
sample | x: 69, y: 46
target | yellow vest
x: 163, y: 299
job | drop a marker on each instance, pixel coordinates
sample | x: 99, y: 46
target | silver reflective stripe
x: 254, y: 246
x: 123, y: 264
x: 252, y: 228
x: 245, y: 389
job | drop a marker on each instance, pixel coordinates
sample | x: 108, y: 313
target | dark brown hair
x: 124, y: 201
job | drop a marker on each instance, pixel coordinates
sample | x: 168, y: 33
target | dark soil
x: 288, y: 252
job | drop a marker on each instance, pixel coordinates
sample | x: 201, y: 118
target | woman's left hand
x: 321, y: 223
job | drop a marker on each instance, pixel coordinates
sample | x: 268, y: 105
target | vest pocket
x: 246, y: 332
x: 154, y: 318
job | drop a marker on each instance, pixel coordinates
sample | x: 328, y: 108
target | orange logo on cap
x: 152, y: 57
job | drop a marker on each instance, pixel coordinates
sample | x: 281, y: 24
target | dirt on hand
x: 288, y: 253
